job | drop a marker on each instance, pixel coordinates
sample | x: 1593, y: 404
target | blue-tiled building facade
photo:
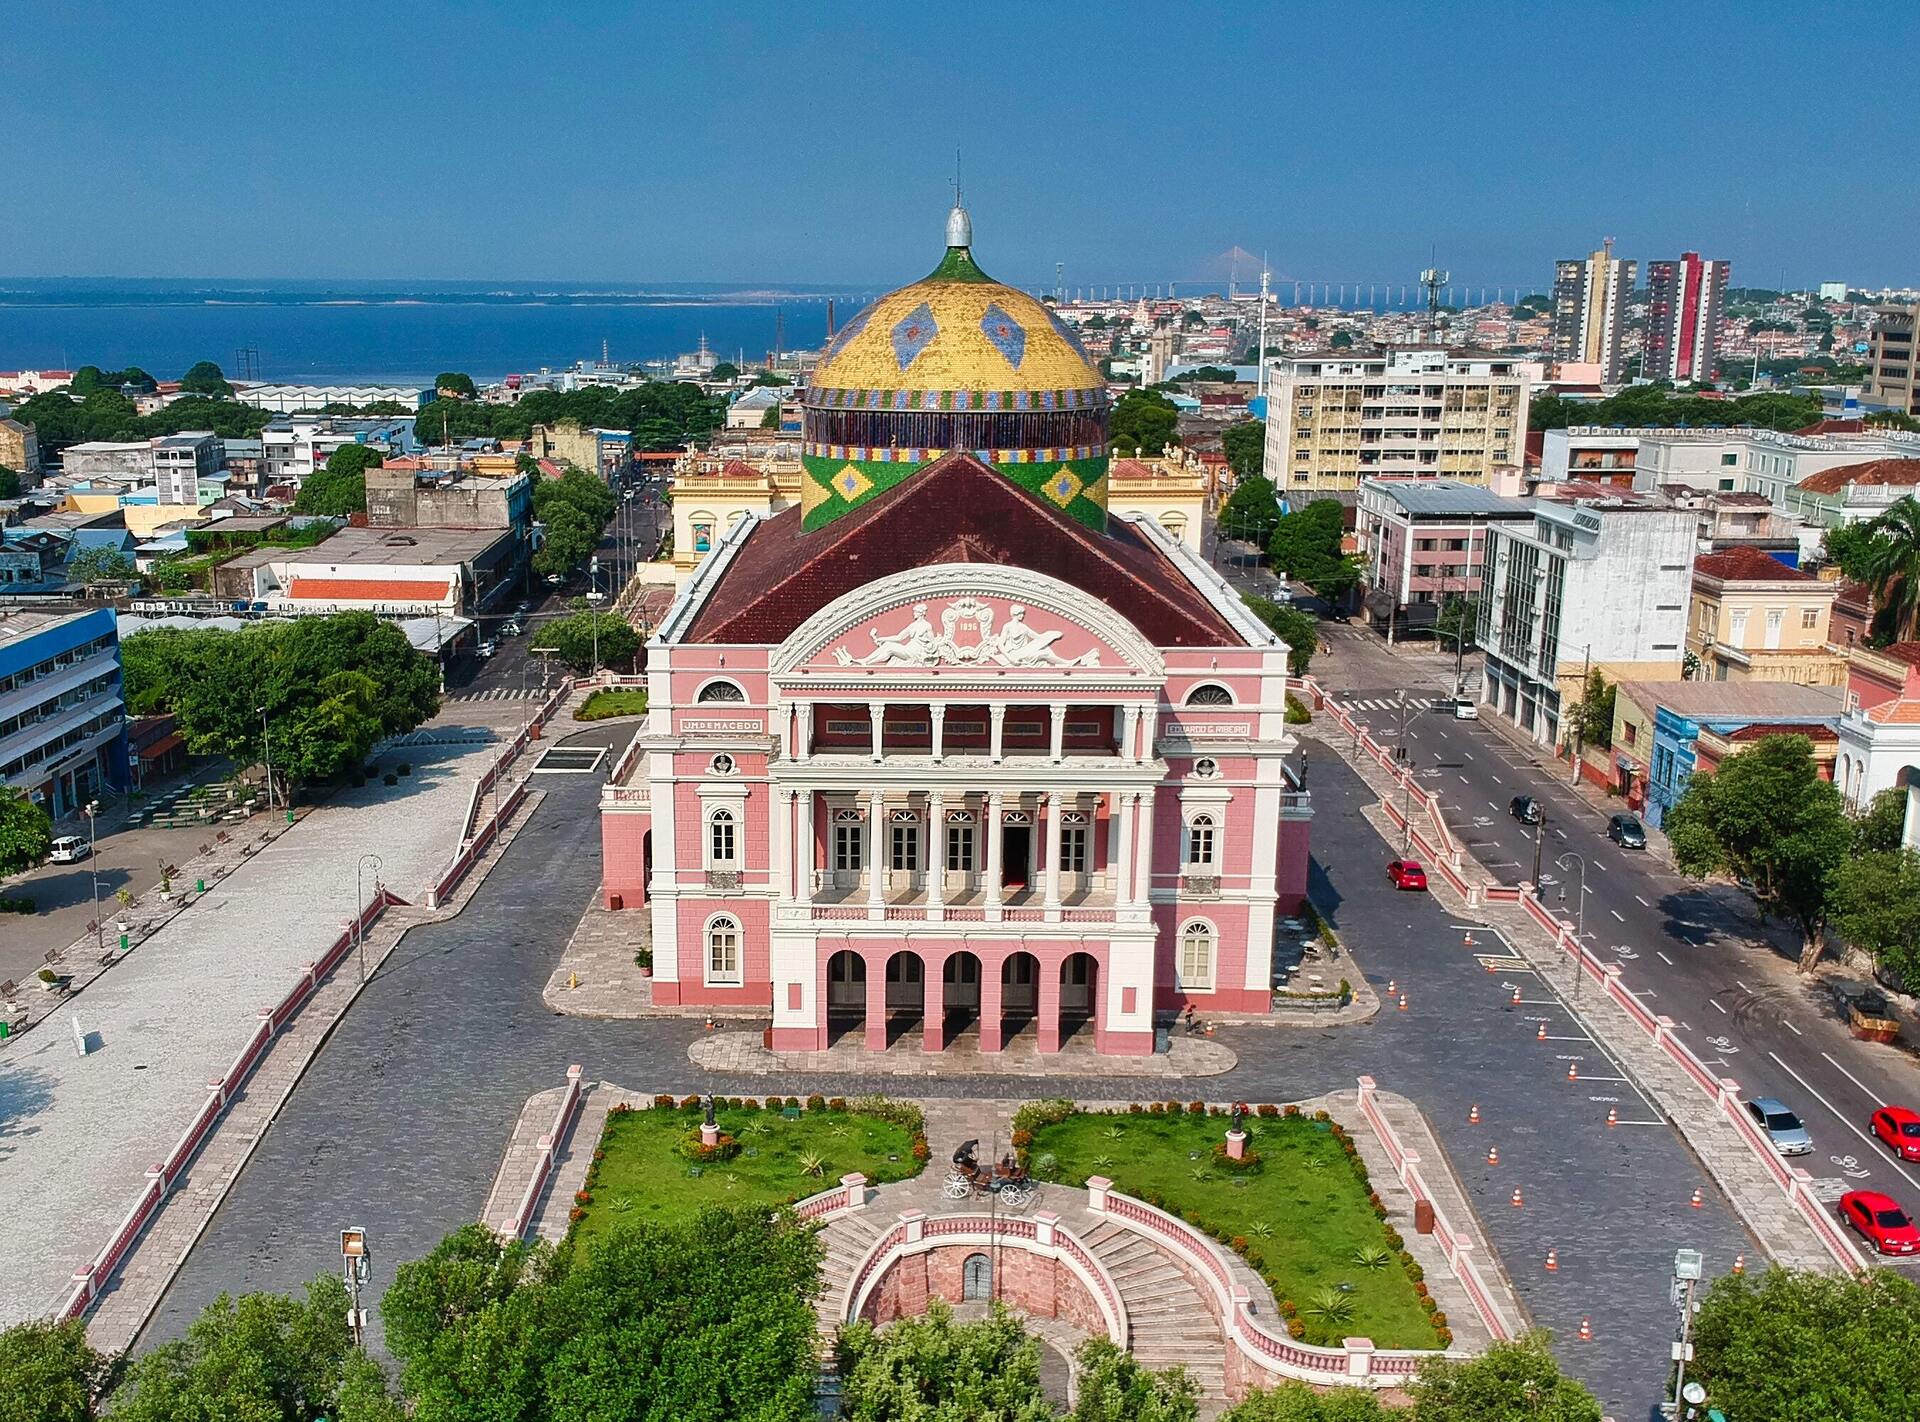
x: 63, y: 731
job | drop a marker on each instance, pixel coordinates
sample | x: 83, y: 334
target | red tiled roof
x: 738, y: 469
x: 956, y: 510
x: 1748, y: 565
x: 1871, y: 471
x: 1812, y: 730
x: 1908, y: 652
x: 1826, y: 427
x: 367, y: 589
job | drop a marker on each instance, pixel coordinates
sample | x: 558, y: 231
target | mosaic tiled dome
x: 956, y: 361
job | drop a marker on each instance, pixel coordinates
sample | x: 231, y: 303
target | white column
x: 805, y: 748
x: 1130, y: 732
x: 937, y: 715
x: 1123, y: 859
x: 784, y: 710
x: 936, y: 853
x: 990, y: 826
x: 997, y: 715
x: 781, y: 849
x: 804, y: 890
x: 876, y: 832
x: 1143, y: 858
x: 1149, y: 731
x: 1059, y: 711
x: 877, y: 713
x: 1056, y: 806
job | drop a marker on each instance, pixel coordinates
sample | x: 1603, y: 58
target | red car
x: 1880, y: 1221
x: 1407, y: 874
x: 1899, y: 1131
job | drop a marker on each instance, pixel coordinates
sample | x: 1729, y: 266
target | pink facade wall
x: 624, y: 839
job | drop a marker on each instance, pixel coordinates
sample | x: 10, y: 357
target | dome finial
x: 959, y: 225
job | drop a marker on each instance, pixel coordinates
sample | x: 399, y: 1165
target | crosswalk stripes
x: 1390, y: 703
x: 498, y: 693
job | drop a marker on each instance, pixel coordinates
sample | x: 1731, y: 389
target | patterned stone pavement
x: 402, y: 1119
x: 743, y: 1052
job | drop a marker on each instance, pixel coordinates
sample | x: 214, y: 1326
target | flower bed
x: 1301, y: 1214
x: 612, y: 701
x: 649, y: 1165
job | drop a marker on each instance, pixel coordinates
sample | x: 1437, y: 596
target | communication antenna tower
x: 1431, y: 282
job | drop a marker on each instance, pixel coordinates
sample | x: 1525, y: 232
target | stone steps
x: 1169, y: 1322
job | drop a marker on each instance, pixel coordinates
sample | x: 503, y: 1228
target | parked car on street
x: 1407, y: 874
x: 512, y: 627
x: 1526, y: 809
x: 69, y: 849
x: 1880, y: 1221
x: 1898, y: 1130
x: 1627, y: 832
x: 1466, y: 709
x: 487, y: 648
x: 1778, y: 1123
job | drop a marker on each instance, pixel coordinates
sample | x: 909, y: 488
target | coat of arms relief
x: 965, y: 637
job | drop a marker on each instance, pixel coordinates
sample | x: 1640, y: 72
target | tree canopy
x: 89, y: 378
x: 1251, y: 511
x: 26, y: 834
x: 1659, y: 406
x: 575, y: 509
x: 1593, y: 716
x: 49, y: 1373
x: 331, y: 687
x: 1143, y: 420
x: 10, y: 483
x: 931, y: 1369
x: 1299, y: 630
x: 1515, y: 1381
x: 455, y: 384
x: 1889, y: 563
x: 99, y: 565
x: 206, y: 378
x: 1804, y: 1347
x: 572, y: 639
x: 1245, y: 445
x: 107, y: 414
x: 1305, y: 547
x: 1876, y: 908
x: 338, y: 487
x: 1766, y: 816
x: 725, y: 370
x: 661, y: 415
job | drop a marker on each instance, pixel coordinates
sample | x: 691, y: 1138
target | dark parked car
x: 1626, y: 831
x: 1526, y: 809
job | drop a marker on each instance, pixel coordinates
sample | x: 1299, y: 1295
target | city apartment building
x: 63, y: 735
x: 1592, y: 582
x: 1423, y: 542
x: 1894, y: 382
x: 181, y: 461
x: 1590, y: 312
x: 1337, y: 417
x: 19, y: 448
x: 1685, y: 300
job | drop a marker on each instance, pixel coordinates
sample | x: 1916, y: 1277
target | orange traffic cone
x: 1516, y: 994
x: 1393, y: 986
x: 1403, y: 1002
x: 1573, y: 1071
x: 1739, y: 1263
x: 1586, y: 1330
x: 1473, y: 1116
x: 1469, y: 941
x: 1553, y: 1260
x: 1493, y: 1155
x: 1613, y: 1115
x: 1516, y: 1197
x: 1541, y: 1035
x: 1696, y: 1201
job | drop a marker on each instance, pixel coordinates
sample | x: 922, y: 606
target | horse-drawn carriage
x: 968, y: 1179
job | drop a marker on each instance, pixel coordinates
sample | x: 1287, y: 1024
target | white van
x: 69, y: 849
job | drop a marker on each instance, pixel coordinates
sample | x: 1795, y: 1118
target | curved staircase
x: 1170, y: 1322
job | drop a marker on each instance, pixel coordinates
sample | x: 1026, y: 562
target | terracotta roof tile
x: 957, y: 510
x: 1827, y: 427
x: 1908, y: 652
x: 1812, y: 730
x: 1871, y: 471
x: 1898, y: 712
x: 1748, y: 565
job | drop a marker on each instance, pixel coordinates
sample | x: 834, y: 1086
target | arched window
x: 1175, y: 525
x: 976, y: 1278
x: 1210, y: 694
x: 1196, y: 957
x: 1200, y: 841
x: 702, y: 532
x: 723, y: 950
x: 721, y: 691
x: 721, y: 837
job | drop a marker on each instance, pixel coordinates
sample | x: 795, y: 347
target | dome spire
x: 959, y: 225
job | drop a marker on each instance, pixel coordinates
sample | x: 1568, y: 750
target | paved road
x: 399, y: 1124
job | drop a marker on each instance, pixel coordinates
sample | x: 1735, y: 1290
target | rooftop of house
x: 1442, y: 497
x: 1842, y: 477
x: 404, y: 547
x: 957, y: 510
x: 1744, y: 564
x: 1812, y: 730
x: 1716, y: 700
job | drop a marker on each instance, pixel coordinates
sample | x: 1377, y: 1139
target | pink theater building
x: 958, y: 763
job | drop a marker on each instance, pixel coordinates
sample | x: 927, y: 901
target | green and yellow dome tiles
x: 955, y: 361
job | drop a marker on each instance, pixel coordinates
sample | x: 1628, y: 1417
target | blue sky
x: 814, y: 142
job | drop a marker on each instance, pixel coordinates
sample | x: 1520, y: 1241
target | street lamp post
x: 1579, y: 917
x: 359, y: 912
x: 93, y: 868
x: 266, y: 742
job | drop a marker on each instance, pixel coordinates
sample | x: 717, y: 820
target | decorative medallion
x: 912, y: 334
x: 1063, y: 486
x: 1009, y: 337
x: 850, y: 483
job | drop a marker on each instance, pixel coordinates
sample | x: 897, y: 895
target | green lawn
x: 641, y: 1176
x: 1302, y: 1214
x: 612, y: 701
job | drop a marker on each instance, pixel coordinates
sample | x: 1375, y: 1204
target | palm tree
x: 1891, y: 566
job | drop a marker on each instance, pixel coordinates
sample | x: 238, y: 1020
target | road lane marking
x: 1643, y: 902
x: 1616, y: 914
x: 1562, y: 833
x: 1467, y: 754
x: 1791, y: 1028
x: 1663, y: 957
x: 1717, y: 1007
x: 1879, y: 1152
x: 1872, y: 1095
x: 1742, y: 986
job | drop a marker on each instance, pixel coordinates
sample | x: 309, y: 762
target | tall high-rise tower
x: 1589, y: 311
x: 1684, y: 301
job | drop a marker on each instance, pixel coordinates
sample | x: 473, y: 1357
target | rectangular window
x: 1200, y: 842
x: 1073, y: 849
x: 847, y: 847
x: 906, y: 847
x: 1809, y: 618
x: 1730, y: 459
x: 960, y: 849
